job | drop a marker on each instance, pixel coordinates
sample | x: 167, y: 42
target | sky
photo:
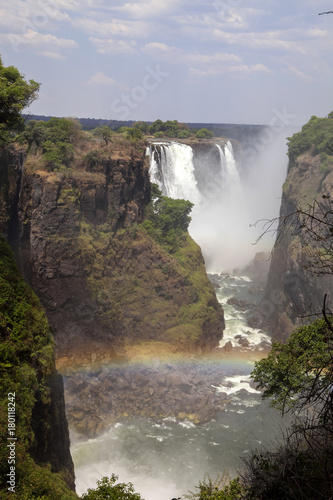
x: 215, y: 61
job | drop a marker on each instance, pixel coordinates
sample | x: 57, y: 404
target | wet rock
x: 112, y: 395
x: 243, y: 342
x: 239, y: 304
x: 228, y: 346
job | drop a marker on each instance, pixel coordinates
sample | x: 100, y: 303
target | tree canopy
x: 108, y: 488
x: 299, y: 374
x: 16, y: 93
x: 315, y: 136
x: 167, y: 219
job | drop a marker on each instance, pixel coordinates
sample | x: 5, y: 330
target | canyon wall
x: 296, y: 283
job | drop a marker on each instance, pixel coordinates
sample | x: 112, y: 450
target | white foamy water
x: 236, y: 383
x: 174, y: 174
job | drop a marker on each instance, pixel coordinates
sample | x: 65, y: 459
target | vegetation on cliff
x: 27, y: 373
x: 15, y: 94
x: 316, y: 136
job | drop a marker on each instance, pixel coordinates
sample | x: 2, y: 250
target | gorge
x: 155, y: 356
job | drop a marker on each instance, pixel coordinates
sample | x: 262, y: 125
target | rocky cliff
x: 105, y: 283
x: 296, y: 285
x: 32, y: 416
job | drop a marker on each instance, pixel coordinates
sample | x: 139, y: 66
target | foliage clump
x: 204, y: 134
x: 108, y: 488
x: 317, y: 136
x: 167, y: 220
x: 104, y: 133
x: 298, y: 377
x: 15, y: 94
x: 219, y: 489
x: 56, y: 139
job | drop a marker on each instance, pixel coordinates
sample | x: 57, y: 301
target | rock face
x: 104, y: 282
x: 293, y: 293
x: 30, y: 382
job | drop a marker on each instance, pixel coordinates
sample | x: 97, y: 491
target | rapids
x: 165, y: 458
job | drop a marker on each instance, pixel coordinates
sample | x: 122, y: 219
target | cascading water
x: 171, y: 168
x: 230, y: 179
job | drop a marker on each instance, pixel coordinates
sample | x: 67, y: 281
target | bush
x: 183, y: 134
x: 316, y: 135
x: 204, y: 134
x: 220, y: 489
x: 108, y: 489
x: 56, y: 138
x: 93, y: 160
x: 167, y: 220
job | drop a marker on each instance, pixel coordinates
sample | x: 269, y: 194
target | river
x: 165, y: 458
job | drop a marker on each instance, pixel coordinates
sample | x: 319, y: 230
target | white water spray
x: 174, y: 173
x: 229, y: 171
x: 228, y: 199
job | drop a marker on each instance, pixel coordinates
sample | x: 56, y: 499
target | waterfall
x: 211, y: 181
x: 230, y: 179
x: 172, y: 169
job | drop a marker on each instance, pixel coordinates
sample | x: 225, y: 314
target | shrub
x: 108, y: 489
x: 204, y: 134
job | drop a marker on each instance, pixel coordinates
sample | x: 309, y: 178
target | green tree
x: 167, y: 220
x: 204, y: 134
x: 133, y: 134
x: 16, y: 93
x: 299, y: 373
x: 156, y: 126
x: 170, y: 128
x: 316, y: 136
x: 183, y: 134
x: 298, y: 378
x: 143, y: 126
x: 103, y: 133
x: 107, y: 489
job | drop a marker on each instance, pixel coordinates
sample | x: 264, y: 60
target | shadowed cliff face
x: 36, y: 390
x: 294, y: 294
x: 105, y: 284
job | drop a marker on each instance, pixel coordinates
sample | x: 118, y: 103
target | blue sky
x: 223, y: 61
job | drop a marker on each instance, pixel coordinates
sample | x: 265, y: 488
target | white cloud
x: 267, y: 40
x: 53, y: 55
x: 146, y: 9
x: 300, y: 74
x: 180, y: 56
x: 216, y: 58
x: 34, y: 39
x: 101, y: 79
x: 238, y: 69
x: 114, y: 27
x: 17, y: 14
x: 112, y: 46
x: 245, y: 69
